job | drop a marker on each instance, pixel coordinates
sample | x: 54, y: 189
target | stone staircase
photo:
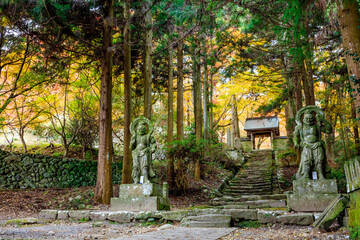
x: 254, y: 186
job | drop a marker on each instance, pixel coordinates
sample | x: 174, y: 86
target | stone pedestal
x: 141, y: 197
x: 312, y: 195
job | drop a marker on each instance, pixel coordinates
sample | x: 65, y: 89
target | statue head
x: 309, y: 119
x: 141, y: 128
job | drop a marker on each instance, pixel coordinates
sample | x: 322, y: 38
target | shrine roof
x: 259, y: 123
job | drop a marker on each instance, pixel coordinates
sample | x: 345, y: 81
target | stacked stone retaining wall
x: 20, y: 171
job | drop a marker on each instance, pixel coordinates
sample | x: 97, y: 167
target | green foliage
x: 85, y: 219
x: 287, y: 157
x: 249, y: 224
x: 339, y: 175
x: 187, y: 149
x: 354, y: 232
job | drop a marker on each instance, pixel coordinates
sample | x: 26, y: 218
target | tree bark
x: 180, y: 91
x: 126, y: 171
x: 206, y: 92
x: 22, y: 138
x: 148, y: 62
x: 235, y: 119
x: 355, y: 129
x: 348, y: 16
x: 170, y: 123
x: 307, y: 86
x: 103, y: 189
x: 197, y: 105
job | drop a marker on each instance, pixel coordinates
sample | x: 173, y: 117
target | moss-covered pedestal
x: 141, y: 197
x: 312, y: 195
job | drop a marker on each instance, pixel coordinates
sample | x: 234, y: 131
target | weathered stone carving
x: 143, y: 145
x: 307, y: 135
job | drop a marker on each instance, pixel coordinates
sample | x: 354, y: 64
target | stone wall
x: 39, y: 171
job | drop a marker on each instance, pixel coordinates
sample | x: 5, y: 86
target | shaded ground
x: 106, y: 230
x: 27, y: 203
x: 280, y: 232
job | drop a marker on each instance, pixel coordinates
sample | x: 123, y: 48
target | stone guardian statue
x: 143, y: 145
x: 307, y: 135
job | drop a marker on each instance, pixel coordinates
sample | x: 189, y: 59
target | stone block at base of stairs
x: 210, y: 221
x: 268, y: 216
x: 235, y: 207
x: 304, y: 219
x: 79, y: 215
x: 263, y: 202
x: 242, y: 214
x: 48, y: 214
x: 63, y: 214
x: 98, y: 216
x: 120, y: 216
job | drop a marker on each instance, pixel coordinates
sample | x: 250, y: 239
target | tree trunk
x: 181, y: 181
x: 298, y: 102
x: 170, y: 124
x: 180, y: 91
x: 148, y: 61
x: 103, y: 189
x: 211, y: 120
x: 21, y: 135
x: 126, y: 171
x: 348, y: 16
x: 206, y: 92
x: 355, y: 129
x: 198, y: 105
x: 307, y: 86
x: 235, y: 119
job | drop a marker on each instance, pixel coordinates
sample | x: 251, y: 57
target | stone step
x: 247, y: 188
x: 209, y: 220
x: 247, y: 193
x: 252, y: 197
x: 251, y: 183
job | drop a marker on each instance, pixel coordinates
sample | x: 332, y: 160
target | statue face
x: 141, y: 129
x: 309, y: 119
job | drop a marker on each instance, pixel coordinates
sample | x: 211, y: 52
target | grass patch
x: 249, y: 224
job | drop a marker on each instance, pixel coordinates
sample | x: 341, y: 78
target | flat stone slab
x: 151, y: 203
x: 48, y: 214
x: 271, y: 203
x: 63, y: 214
x: 21, y: 221
x: 207, y: 221
x: 140, y: 190
x: 79, y: 215
x: 184, y: 234
x: 98, y: 216
x: 325, y: 186
x: 120, y: 216
x: 309, y: 202
x: 303, y: 219
x: 268, y: 216
x: 235, y: 207
x: 242, y: 214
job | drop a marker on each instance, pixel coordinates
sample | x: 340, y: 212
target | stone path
x: 130, y: 231
x: 183, y: 234
x: 255, y: 185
